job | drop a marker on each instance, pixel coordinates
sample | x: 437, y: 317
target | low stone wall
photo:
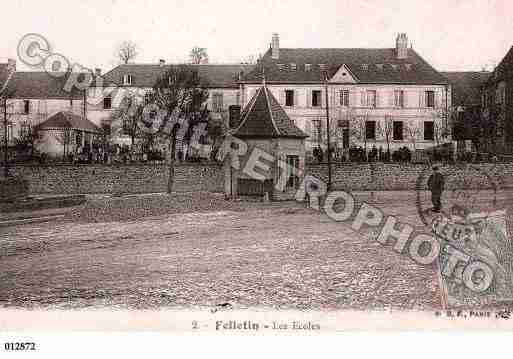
x: 395, y: 176
x: 13, y: 189
x: 146, y: 178
x: 133, y: 178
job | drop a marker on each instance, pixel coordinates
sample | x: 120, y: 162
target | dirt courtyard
x: 158, y: 251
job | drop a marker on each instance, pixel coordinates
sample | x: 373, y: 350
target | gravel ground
x: 160, y: 251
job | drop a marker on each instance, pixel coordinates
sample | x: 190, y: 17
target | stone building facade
x: 498, y: 107
x: 373, y: 94
x: 107, y: 91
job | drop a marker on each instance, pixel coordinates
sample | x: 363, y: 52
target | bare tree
x: 126, y: 51
x: 413, y: 133
x: 198, y: 55
x: 181, y: 94
x: 65, y: 138
x: 388, y: 133
x: 126, y: 117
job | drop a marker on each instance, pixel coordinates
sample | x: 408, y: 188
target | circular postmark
x: 475, y: 253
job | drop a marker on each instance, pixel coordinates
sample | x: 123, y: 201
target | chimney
x: 98, y: 71
x: 11, y: 64
x: 162, y: 62
x: 275, y: 47
x: 401, y: 46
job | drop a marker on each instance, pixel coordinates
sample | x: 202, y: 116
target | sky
x: 452, y: 35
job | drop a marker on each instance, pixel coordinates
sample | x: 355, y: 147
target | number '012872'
x: 19, y: 346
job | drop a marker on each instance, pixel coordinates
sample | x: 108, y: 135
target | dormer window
x: 293, y: 66
x: 365, y: 67
x: 127, y: 79
x: 380, y: 67
x: 308, y: 67
x: 408, y: 67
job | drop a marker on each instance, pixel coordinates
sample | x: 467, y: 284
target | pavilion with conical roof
x: 275, y: 155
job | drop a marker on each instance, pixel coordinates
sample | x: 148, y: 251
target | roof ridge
x: 250, y: 106
x: 269, y: 108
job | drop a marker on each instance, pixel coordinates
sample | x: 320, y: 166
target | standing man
x: 436, y: 186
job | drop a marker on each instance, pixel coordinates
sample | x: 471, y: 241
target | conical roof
x: 263, y: 117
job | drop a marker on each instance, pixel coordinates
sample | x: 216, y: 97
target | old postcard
x: 272, y: 167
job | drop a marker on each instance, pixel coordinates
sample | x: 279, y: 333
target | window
x: 289, y: 98
x: 371, y: 98
x: 343, y: 123
x: 282, y: 67
x: 293, y: 66
x: 430, y: 99
x: 370, y: 130
x: 24, y: 130
x: 398, y: 130
x: 380, y: 67
x: 26, y: 107
x: 147, y: 98
x: 127, y: 79
x: 217, y: 102
x: 344, y: 98
x: 323, y: 67
x: 308, y: 67
x: 107, y: 103
x: 365, y: 67
x: 292, y: 170
x: 316, y: 130
x: 429, y: 130
x: 345, y: 138
x: 316, y: 98
x: 407, y: 67
x: 394, y: 66
x: 399, y: 98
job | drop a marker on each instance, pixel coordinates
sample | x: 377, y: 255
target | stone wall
x: 394, y: 176
x: 141, y: 178
x: 137, y: 178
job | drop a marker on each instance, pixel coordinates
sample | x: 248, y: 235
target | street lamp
x: 328, y: 131
x: 6, y: 143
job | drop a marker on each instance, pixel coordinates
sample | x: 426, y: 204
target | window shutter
x: 377, y: 99
x: 282, y: 97
x: 363, y: 101
x: 333, y: 95
x: 309, y: 98
x: 352, y: 98
x: 405, y: 98
x: 391, y: 98
x: 308, y: 127
x: 422, y: 99
x: 296, y: 98
x: 438, y: 99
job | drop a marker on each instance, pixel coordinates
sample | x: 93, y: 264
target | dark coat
x: 436, y: 183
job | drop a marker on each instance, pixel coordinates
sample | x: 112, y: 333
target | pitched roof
x: 263, y: 117
x: 3, y: 74
x: 504, y: 69
x: 41, y: 85
x: 367, y: 65
x: 466, y: 86
x: 68, y: 120
x: 145, y: 75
